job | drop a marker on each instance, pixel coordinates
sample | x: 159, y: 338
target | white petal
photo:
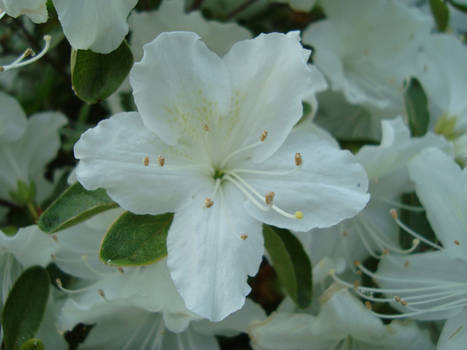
x: 35, y: 9
x: 433, y: 269
x: 179, y: 87
x: 208, y: 260
x: 328, y: 187
x: 12, y: 119
x: 454, y: 333
x: 30, y: 246
x: 112, y: 156
x: 270, y: 78
x: 171, y: 16
x: 48, y: 332
x: 441, y: 187
x: 396, y: 149
x: 25, y: 158
x: 98, y: 25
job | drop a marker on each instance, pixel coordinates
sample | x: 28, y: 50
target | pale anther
x: 146, y: 161
x: 205, y: 127
x: 161, y: 160
x: 394, y: 214
x: 208, y: 202
x: 456, y: 242
x: 243, y: 237
x: 120, y: 269
x: 299, y: 215
x: 298, y: 159
x: 269, y: 198
x: 101, y: 293
x: 263, y: 136
x: 59, y: 282
x: 368, y: 305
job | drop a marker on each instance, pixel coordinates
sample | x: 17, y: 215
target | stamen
x: 268, y: 198
x: 412, y: 232
x: 59, y: 283
x: 263, y: 136
x: 161, y: 161
x: 90, y: 268
x: 243, y: 149
x: 413, y: 208
x: 21, y: 62
x: 208, y: 203
x: 146, y: 161
x: 298, y: 159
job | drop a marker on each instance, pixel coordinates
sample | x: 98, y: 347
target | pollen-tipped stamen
x: 21, y: 62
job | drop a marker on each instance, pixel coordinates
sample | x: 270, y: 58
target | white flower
x: 34, y: 9
x: 369, y: 60
x: 28, y: 247
x: 98, y: 25
x: 342, y: 323
x: 171, y: 16
x: 373, y: 231
x: 26, y: 146
x: 212, y: 142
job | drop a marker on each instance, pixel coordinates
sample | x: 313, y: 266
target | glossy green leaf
x: 25, y: 307
x: 135, y: 240
x: 33, y: 344
x: 75, y: 205
x: 441, y: 14
x: 416, y: 106
x: 291, y: 263
x: 97, y: 76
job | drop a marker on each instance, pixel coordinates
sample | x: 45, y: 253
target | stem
x: 240, y: 8
x: 33, y: 210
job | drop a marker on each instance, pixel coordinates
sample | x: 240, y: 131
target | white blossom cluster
x: 314, y: 132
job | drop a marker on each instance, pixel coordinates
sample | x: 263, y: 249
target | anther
x: 120, y: 269
x: 243, y: 237
x: 368, y: 305
x: 2, y: 69
x: 146, y: 161
x: 28, y: 52
x: 394, y: 214
x: 385, y: 251
x: 269, y: 198
x: 406, y: 264
x: 101, y: 293
x: 299, y: 215
x: 298, y: 159
x: 54, y: 237
x: 456, y: 242
x: 161, y: 160
x: 356, y: 284
x: 59, y: 282
x: 345, y: 233
x: 263, y: 136
x: 205, y: 127
x: 356, y: 263
x: 208, y: 202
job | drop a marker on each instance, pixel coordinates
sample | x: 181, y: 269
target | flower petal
x: 12, y: 119
x: 328, y: 187
x: 270, y: 78
x: 98, y: 25
x: 208, y: 260
x: 179, y: 87
x: 35, y: 9
x: 441, y: 186
x: 454, y: 333
x: 112, y: 156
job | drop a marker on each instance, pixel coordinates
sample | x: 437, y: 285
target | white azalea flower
x: 373, y: 231
x: 171, y: 16
x: 98, y: 25
x: 212, y: 142
x: 372, y: 70
x: 443, y: 75
x: 26, y: 147
x: 343, y: 323
x: 28, y: 247
x: 34, y: 9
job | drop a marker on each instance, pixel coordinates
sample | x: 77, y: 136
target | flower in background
x: 34, y: 9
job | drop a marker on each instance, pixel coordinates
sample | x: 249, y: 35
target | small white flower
x: 368, y: 60
x: 212, y: 142
x: 342, y: 323
x: 98, y: 25
x: 26, y: 146
x: 34, y: 9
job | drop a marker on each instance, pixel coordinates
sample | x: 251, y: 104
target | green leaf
x: 96, y: 76
x: 75, y: 205
x: 135, y: 240
x: 33, y: 344
x: 460, y: 7
x: 441, y: 14
x: 291, y: 263
x: 416, y: 106
x: 25, y: 307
